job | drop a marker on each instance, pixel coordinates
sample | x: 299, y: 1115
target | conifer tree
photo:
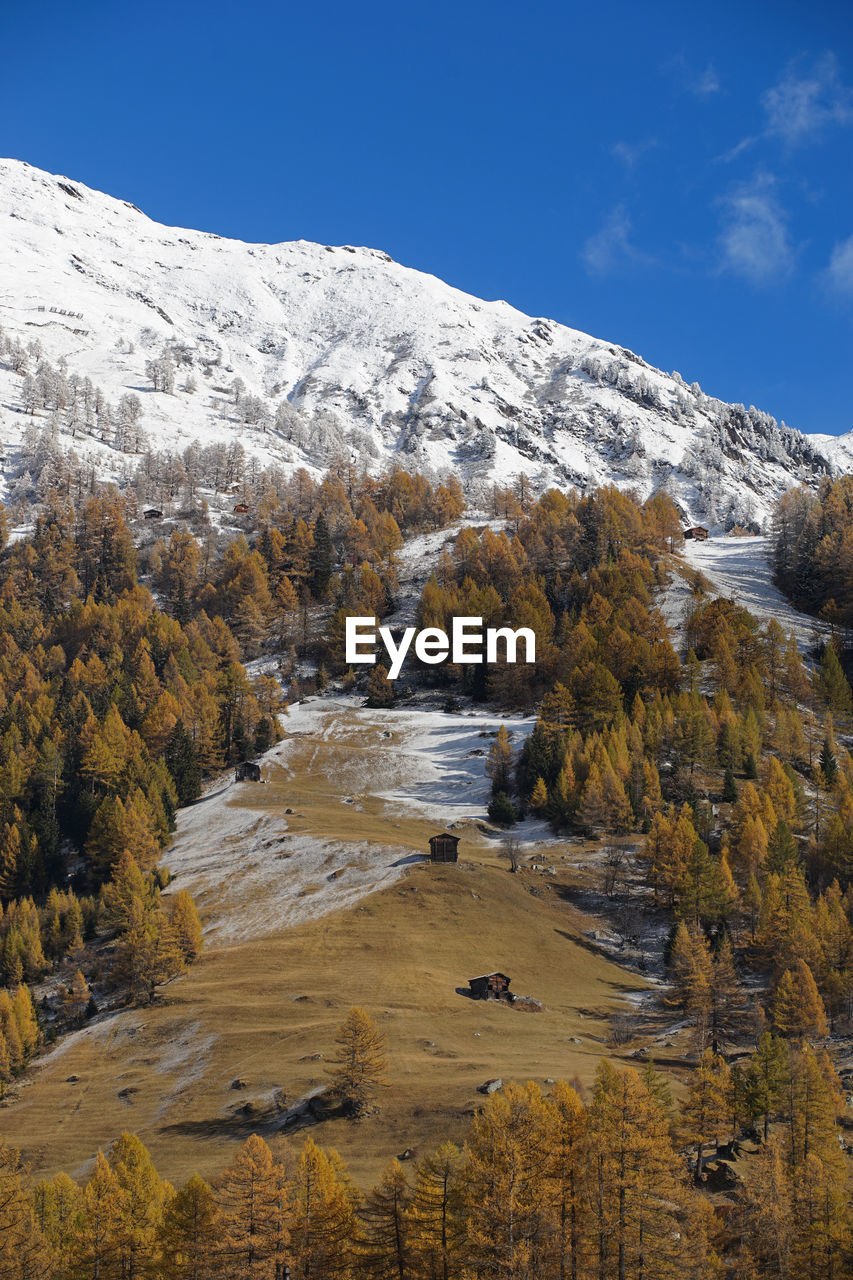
x: 386, y: 1247
x: 813, y: 1101
x: 499, y: 762
x: 782, y: 849
x: 182, y: 762
x: 57, y: 1203
x: 322, y: 557
x: 359, y: 1068
x: 97, y: 1236
x: 141, y: 1193
x: 505, y: 1179
x: 539, y: 797
x: 25, y: 1253
x: 833, y: 685
x: 706, y: 1112
x: 251, y: 1209
x: 189, y: 1232
x: 186, y: 926
x: 636, y: 1193
x: 727, y: 1013
x: 76, y: 999
x: 324, y: 1226
x: 438, y: 1228
x: 380, y: 690
x: 766, y: 1223
x: 766, y: 1077
x: 566, y: 1179
x: 820, y: 1221
x: 798, y: 1010
x: 692, y: 975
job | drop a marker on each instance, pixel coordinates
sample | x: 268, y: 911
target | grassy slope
x: 260, y: 1009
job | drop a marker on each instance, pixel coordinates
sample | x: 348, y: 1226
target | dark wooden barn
x: 699, y: 532
x: 444, y: 848
x: 490, y: 986
x: 247, y: 771
x: 153, y: 514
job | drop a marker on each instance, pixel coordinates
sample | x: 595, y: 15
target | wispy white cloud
x: 630, y: 153
x: 737, y: 150
x: 702, y: 84
x: 839, y: 273
x: 803, y: 104
x: 754, y: 240
x: 611, y: 248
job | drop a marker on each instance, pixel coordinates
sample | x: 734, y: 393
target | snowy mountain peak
x: 340, y: 349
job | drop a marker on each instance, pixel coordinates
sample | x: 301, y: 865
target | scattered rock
x: 71, y: 1079
x: 490, y: 1086
x: 575, y: 1040
x: 312, y: 1057
x: 126, y: 1095
x: 288, y: 811
x: 238, y: 1084
x: 408, y: 1154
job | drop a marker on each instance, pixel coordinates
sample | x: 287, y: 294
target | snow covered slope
x: 340, y: 349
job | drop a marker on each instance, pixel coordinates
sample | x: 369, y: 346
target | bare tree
x: 511, y: 850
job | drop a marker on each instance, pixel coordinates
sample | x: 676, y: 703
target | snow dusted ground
x: 251, y: 875
x: 739, y: 568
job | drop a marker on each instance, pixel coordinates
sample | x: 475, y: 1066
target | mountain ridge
x: 342, y: 350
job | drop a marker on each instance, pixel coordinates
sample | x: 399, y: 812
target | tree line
x: 546, y: 1185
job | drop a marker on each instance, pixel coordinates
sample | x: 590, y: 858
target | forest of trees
x: 546, y: 1185
x: 129, y: 674
x: 813, y: 549
x: 123, y: 686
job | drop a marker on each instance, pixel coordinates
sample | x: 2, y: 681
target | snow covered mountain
x: 303, y: 351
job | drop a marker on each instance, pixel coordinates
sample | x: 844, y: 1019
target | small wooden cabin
x: 241, y: 509
x: 247, y: 771
x: 698, y: 532
x: 444, y: 848
x: 152, y: 514
x: 490, y: 986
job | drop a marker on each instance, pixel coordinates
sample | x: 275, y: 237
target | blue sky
x: 671, y: 177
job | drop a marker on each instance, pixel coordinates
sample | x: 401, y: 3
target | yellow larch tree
x: 251, y: 1214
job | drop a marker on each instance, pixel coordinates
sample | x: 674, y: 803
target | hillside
x: 262, y: 1005
x: 342, y: 350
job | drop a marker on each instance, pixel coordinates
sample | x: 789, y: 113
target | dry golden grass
x: 260, y: 1011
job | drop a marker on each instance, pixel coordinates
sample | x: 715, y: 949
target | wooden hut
x: 698, y: 532
x: 491, y: 986
x: 247, y: 771
x: 153, y: 514
x: 444, y: 848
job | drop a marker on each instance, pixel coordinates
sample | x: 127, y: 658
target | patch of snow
x: 739, y: 569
